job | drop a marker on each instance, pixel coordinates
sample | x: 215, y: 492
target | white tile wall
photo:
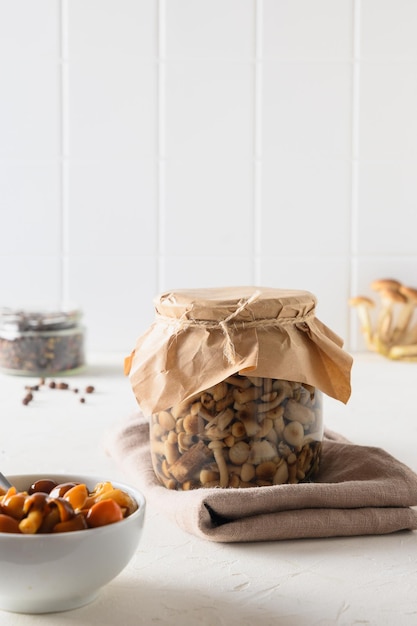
x: 156, y: 144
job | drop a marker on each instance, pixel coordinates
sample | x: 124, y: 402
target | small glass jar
x: 41, y: 343
x: 243, y: 432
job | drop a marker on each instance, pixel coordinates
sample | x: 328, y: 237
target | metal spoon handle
x: 4, y: 482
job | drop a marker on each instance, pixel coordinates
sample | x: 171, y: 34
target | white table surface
x: 176, y: 578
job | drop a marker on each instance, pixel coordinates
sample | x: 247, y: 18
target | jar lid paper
x: 202, y: 336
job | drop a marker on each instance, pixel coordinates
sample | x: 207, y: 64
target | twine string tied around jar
x: 229, y: 324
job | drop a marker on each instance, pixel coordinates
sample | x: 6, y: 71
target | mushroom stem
x: 403, y: 322
x: 390, y: 298
x: 217, y: 447
x: 403, y: 352
x: 406, y: 313
x: 363, y: 306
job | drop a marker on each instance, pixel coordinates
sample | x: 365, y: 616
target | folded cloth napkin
x: 360, y: 490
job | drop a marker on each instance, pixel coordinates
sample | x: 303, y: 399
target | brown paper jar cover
x: 202, y: 336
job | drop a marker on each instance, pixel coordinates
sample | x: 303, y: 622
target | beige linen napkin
x: 361, y: 490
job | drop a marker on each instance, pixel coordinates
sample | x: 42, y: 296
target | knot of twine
x: 227, y: 326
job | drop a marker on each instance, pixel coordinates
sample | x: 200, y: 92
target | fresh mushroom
x: 395, y: 335
x: 389, y: 299
x: 385, y: 283
x: 363, y: 306
x: 406, y: 313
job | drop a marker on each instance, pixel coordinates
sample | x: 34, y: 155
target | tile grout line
x: 354, y: 209
x: 64, y: 208
x: 160, y: 144
x: 257, y: 141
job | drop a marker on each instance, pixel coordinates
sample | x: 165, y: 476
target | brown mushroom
x: 405, y: 314
x: 385, y: 283
x: 389, y: 299
x: 35, y: 508
x: 217, y: 448
x: 363, y: 306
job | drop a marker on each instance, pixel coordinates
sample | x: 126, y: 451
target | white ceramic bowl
x: 57, y: 572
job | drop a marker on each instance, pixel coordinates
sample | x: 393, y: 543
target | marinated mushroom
x: 65, y: 507
x: 242, y: 444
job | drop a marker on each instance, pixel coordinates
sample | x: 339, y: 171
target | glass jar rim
x: 39, y: 320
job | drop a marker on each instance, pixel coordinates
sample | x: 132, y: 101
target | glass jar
x: 41, y: 343
x: 243, y: 432
x: 232, y: 382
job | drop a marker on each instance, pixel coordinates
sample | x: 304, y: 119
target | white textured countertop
x: 176, y: 578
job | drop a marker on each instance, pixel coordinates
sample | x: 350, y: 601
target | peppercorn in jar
x: 39, y: 342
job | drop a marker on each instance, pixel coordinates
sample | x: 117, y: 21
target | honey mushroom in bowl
x: 51, y: 507
x: 63, y: 537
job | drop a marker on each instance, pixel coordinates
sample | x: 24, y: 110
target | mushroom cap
x: 216, y: 444
x: 385, y: 283
x: 361, y: 300
x: 409, y: 292
x: 392, y: 295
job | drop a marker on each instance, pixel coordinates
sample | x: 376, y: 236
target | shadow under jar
x: 242, y: 371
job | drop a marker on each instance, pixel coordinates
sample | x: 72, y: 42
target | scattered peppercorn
x: 28, y: 398
x: 53, y: 385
